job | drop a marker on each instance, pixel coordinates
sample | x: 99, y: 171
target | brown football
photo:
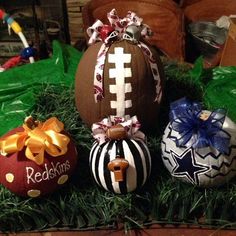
x: 123, y: 96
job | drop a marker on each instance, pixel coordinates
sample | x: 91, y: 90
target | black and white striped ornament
x: 134, y: 152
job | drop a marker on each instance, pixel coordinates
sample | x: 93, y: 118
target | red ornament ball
x: 25, y: 178
x: 107, y: 31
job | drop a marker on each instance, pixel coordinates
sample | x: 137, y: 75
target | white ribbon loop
x: 131, y: 126
x: 94, y: 32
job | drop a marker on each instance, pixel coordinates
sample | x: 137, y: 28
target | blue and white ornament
x: 199, y: 146
x: 120, y: 161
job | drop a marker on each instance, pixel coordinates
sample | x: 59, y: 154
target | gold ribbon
x: 44, y: 137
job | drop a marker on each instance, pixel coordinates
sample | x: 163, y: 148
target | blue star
x: 186, y: 166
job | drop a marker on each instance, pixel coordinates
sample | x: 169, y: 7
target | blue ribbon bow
x: 196, y: 132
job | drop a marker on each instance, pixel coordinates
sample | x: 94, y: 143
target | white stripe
x: 93, y: 163
x: 101, y: 167
x: 113, y: 88
x: 120, y: 107
x: 122, y: 57
x: 143, y: 161
x: 113, y: 104
x: 131, y: 174
x: 125, y: 73
x: 90, y: 154
x: 128, y: 87
x: 128, y: 103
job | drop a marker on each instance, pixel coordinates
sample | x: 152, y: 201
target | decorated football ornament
x: 119, y: 76
x: 199, y: 146
x: 120, y: 161
x: 37, y: 158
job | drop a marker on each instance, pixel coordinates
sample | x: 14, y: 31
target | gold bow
x: 37, y: 138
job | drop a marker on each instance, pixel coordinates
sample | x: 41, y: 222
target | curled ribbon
x: 117, y: 31
x: 119, y: 25
x: 44, y: 137
x: 131, y: 126
x: 186, y: 118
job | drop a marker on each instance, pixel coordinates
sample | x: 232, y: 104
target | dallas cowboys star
x: 186, y: 166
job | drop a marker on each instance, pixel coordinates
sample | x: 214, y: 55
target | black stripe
x: 107, y: 173
x: 98, y: 156
x: 120, y: 153
x: 119, y: 149
x: 146, y: 156
x: 137, y: 161
x: 95, y: 144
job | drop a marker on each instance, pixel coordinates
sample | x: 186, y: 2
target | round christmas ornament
x: 120, y: 161
x: 119, y: 76
x: 37, y: 158
x: 199, y: 146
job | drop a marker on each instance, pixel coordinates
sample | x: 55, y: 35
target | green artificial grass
x: 82, y: 205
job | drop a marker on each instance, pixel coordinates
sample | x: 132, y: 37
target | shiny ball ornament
x: 28, y: 179
x: 107, y: 33
x: 120, y: 166
x: 204, y: 167
x: 1, y: 14
x: 128, y: 84
x: 132, y: 33
x: 28, y: 52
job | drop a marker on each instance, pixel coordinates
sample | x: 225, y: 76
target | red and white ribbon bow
x: 119, y: 26
x: 131, y: 126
